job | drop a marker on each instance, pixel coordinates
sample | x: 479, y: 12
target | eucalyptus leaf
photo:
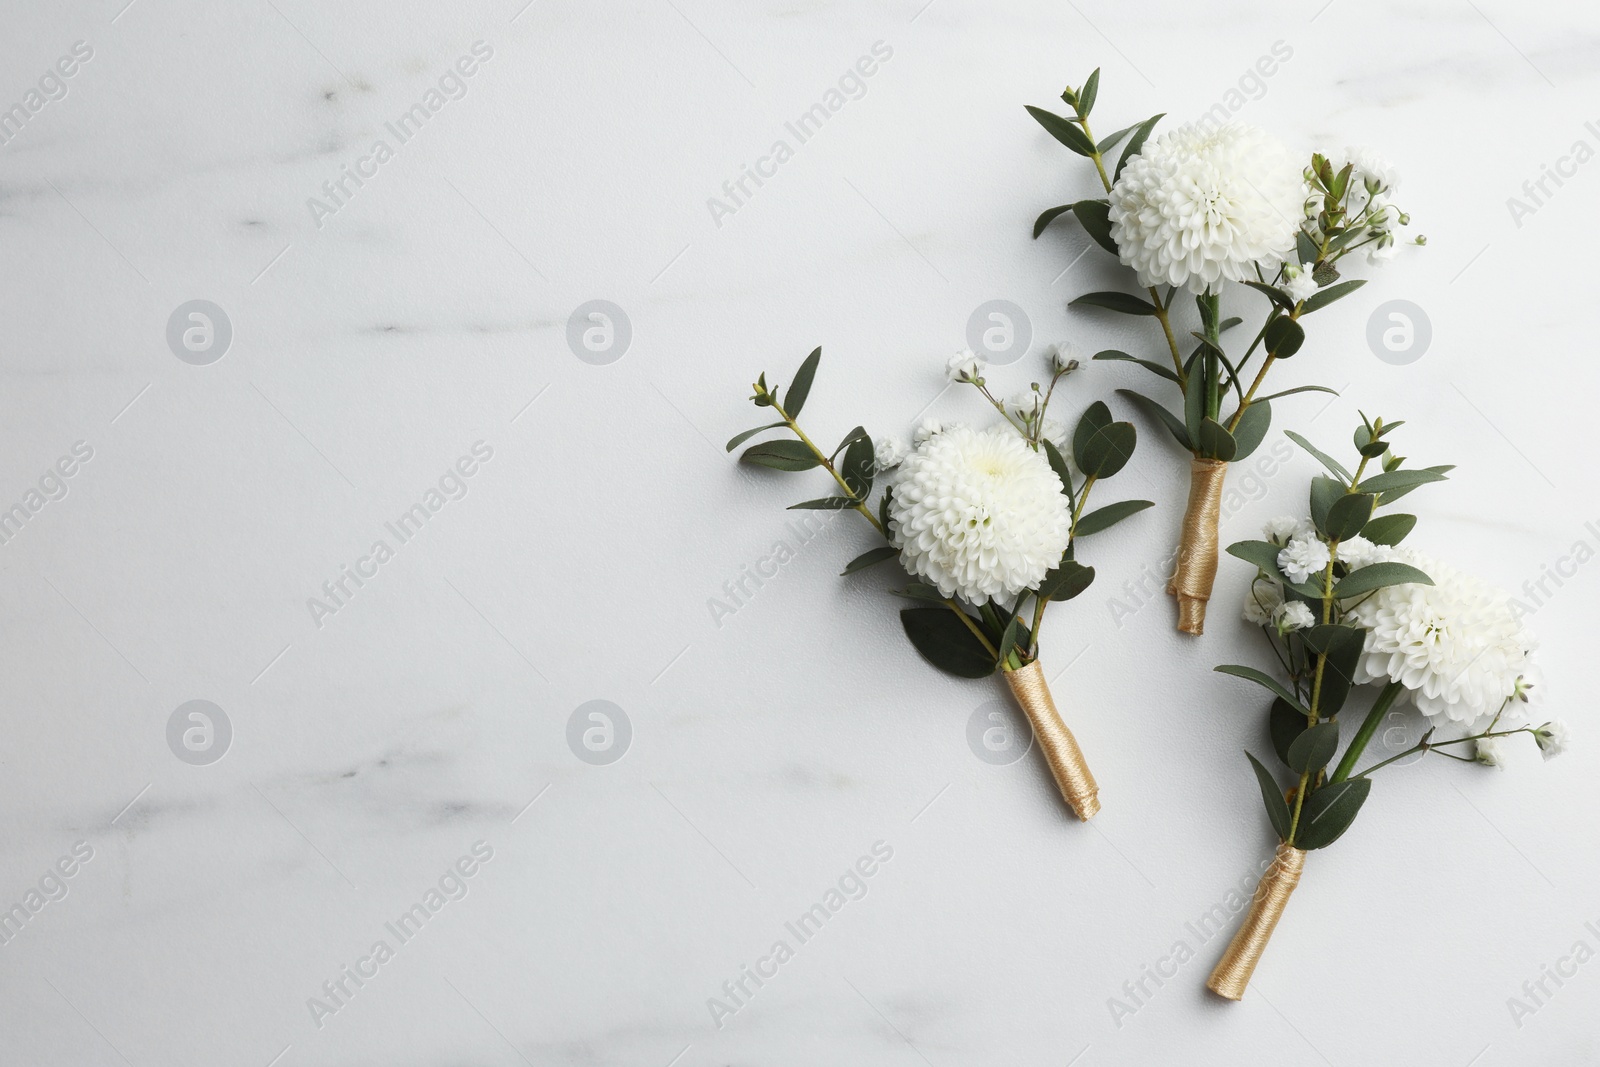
x: 1389, y: 481
x: 1389, y: 529
x: 858, y: 467
x: 1136, y: 142
x: 1215, y: 441
x: 1095, y: 417
x: 1391, y: 495
x: 1125, y: 303
x: 1272, y: 797
x: 800, y: 388
x: 1323, y: 297
x: 870, y: 559
x: 1322, y: 457
x: 1066, y: 581
x: 1324, y: 492
x: 1349, y: 514
x: 1086, y: 95
x: 1048, y: 217
x: 1284, y: 724
x: 740, y: 438
x: 1284, y: 337
x: 1173, y: 424
x: 781, y: 456
x: 1273, y: 293
x: 1252, y: 428
x: 944, y: 641
x: 1266, y: 681
x: 1149, y: 365
x: 1063, y: 130
x: 827, y: 503
x: 1328, y: 813
x: 1108, y: 450
x: 1108, y: 516
x: 1096, y: 222
x: 1311, y: 751
x: 1377, y: 576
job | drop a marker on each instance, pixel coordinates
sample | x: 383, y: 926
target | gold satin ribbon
x: 1238, y: 963
x: 1197, y: 550
x: 1060, y: 748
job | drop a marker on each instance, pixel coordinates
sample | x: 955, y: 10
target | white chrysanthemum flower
x: 1065, y: 357
x: 1302, y: 557
x: 1293, y: 616
x: 979, y: 514
x: 1280, y: 529
x: 1199, y: 206
x: 965, y: 366
x: 1371, y: 167
x: 1552, y: 738
x: 1358, y: 552
x: 889, y: 453
x: 1301, y: 285
x: 1264, y: 598
x: 1458, y: 645
x: 1492, y: 751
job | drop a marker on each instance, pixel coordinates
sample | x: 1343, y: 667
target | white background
x: 769, y: 752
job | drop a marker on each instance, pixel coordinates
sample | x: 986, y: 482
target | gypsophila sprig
x: 1208, y: 209
x: 984, y: 523
x: 1343, y: 603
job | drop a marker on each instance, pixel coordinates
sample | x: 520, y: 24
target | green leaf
x: 1108, y: 450
x: 1324, y: 491
x: 1058, y: 463
x: 1252, y: 428
x: 922, y: 591
x: 800, y: 388
x: 1009, y: 638
x: 1123, y: 303
x: 1095, y: 417
x: 1215, y: 441
x: 1284, y: 337
x: 1376, y: 576
x: 1048, y: 217
x: 1149, y: 365
x: 849, y: 439
x: 1322, y: 457
x: 1285, y: 724
x: 1389, y: 529
x: 827, y: 503
x: 1349, y: 514
x: 858, y: 467
x: 1066, y: 581
x: 1173, y: 424
x: 781, y: 456
x: 1299, y: 389
x: 1330, y: 637
x: 1311, y: 751
x: 1108, y: 516
x: 1266, y: 681
x: 1228, y: 323
x: 1108, y: 142
x: 1390, y: 496
x: 1305, y: 248
x: 883, y: 507
x: 1329, y: 811
x: 1136, y: 143
x: 870, y: 559
x: 1264, y: 554
x: 1272, y: 796
x: 1273, y: 293
x: 1194, y: 398
x: 1093, y: 215
x: 1086, y: 95
x: 740, y: 438
x: 1063, y: 130
x: 946, y: 643
x: 1323, y: 297
x: 1391, y: 481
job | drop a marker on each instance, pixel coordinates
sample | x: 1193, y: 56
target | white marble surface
x: 770, y: 752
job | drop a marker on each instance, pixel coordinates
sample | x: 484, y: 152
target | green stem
x: 1358, y: 744
x: 976, y: 632
x: 860, y: 505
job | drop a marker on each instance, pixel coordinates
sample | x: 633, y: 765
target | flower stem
x: 1358, y: 744
x: 860, y: 504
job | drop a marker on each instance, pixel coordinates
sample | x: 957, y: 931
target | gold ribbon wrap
x: 1238, y: 963
x: 1060, y: 748
x: 1197, y: 550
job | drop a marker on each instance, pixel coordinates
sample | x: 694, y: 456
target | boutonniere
x: 984, y: 522
x: 1343, y: 605
x: 1204, y: 210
